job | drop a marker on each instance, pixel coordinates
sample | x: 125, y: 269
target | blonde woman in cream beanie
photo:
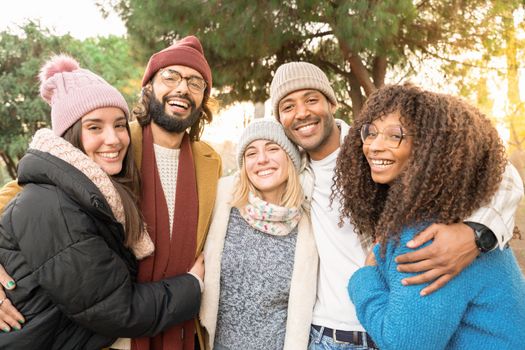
x: 261, y: 260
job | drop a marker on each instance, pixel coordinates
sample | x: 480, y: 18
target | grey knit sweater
x: 255, y: 284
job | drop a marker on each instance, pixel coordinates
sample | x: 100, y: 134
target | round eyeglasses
x: 392, y: 135
x: 172, y: 78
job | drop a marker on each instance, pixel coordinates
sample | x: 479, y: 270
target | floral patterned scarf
x: 270, y: 218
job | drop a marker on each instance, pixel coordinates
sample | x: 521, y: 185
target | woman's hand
x: 198, y: 267
x: 10, y: 318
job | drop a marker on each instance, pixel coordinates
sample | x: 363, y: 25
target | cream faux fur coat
x: 304, y: 276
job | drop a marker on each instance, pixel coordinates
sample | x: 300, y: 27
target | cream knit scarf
x: 269, y: 218
x: 46, y: 141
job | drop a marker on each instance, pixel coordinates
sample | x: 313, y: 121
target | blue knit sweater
x: 482, y: 308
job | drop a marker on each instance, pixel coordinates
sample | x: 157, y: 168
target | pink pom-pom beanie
x: 72, y: 92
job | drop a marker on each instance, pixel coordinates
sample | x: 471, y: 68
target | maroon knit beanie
x: 185, y: 52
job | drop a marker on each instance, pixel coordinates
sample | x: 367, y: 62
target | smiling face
x: 387, y: 163
x: 175, y: 107
x: 266, y: 165
x: 105, y: 138
x: 307, y: 118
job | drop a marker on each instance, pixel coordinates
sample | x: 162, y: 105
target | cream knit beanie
x: 267, y: 130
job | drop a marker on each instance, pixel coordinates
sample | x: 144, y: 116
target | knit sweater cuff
x: 363, y: 281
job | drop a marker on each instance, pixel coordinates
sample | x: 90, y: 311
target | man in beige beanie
x: 304, y: 103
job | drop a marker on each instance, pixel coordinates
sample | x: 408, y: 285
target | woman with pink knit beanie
x: 72, y: 237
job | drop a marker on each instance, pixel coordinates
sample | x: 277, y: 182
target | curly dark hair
x: 140, y: 111
x: 455, y: 165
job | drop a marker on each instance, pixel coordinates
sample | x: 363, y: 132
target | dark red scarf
x: 171, y: 257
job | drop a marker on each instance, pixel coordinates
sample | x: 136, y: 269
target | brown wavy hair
x: 140, y: 111
x: 127, y: 183
x: 455, y: 166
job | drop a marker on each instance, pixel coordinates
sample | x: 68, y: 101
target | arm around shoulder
x: 498, y: 214
x: 396, y: 316
x: 89, y: 281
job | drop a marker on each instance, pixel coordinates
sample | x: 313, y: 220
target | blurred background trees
x: 359, y: 43
x: 354, y: 42
x: 22, y: 111
x: 469, y: 47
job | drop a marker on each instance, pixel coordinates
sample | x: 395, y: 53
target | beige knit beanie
x: 294, y: 76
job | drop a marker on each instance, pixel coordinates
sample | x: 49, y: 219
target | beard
x: 173, y: 123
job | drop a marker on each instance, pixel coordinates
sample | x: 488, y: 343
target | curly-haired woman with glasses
x: 414, y: 158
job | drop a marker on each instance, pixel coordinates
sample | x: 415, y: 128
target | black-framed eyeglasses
x: 172, y: 78
x: 392, y: 135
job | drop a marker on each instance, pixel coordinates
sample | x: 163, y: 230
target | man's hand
x: 10, y: 318
x: 452, y: 250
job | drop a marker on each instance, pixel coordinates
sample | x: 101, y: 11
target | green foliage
x: 22, y: 111
x: 245, y: 41
x: 355, y: 41
x: 111, y: 58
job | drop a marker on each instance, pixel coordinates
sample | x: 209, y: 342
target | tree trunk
x: 379, y: 71
x: 9, y: 164
x: 513, y: 84
x: 358, y: 68
x: 355, y: 94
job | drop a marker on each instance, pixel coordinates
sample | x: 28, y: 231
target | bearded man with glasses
x: 179, y: 178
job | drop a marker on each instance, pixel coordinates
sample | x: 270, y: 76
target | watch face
x: 486, y: 240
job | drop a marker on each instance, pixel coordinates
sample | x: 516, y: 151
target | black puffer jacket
x: 75, y: 279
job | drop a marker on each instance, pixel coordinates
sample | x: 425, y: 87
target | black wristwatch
x: 485, y: 239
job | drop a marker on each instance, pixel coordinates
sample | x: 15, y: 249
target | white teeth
x: 381, y: 162
x: 178, y: 103
x: 265, y: 172
x: 110, y: 155
x: 306, y: 127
